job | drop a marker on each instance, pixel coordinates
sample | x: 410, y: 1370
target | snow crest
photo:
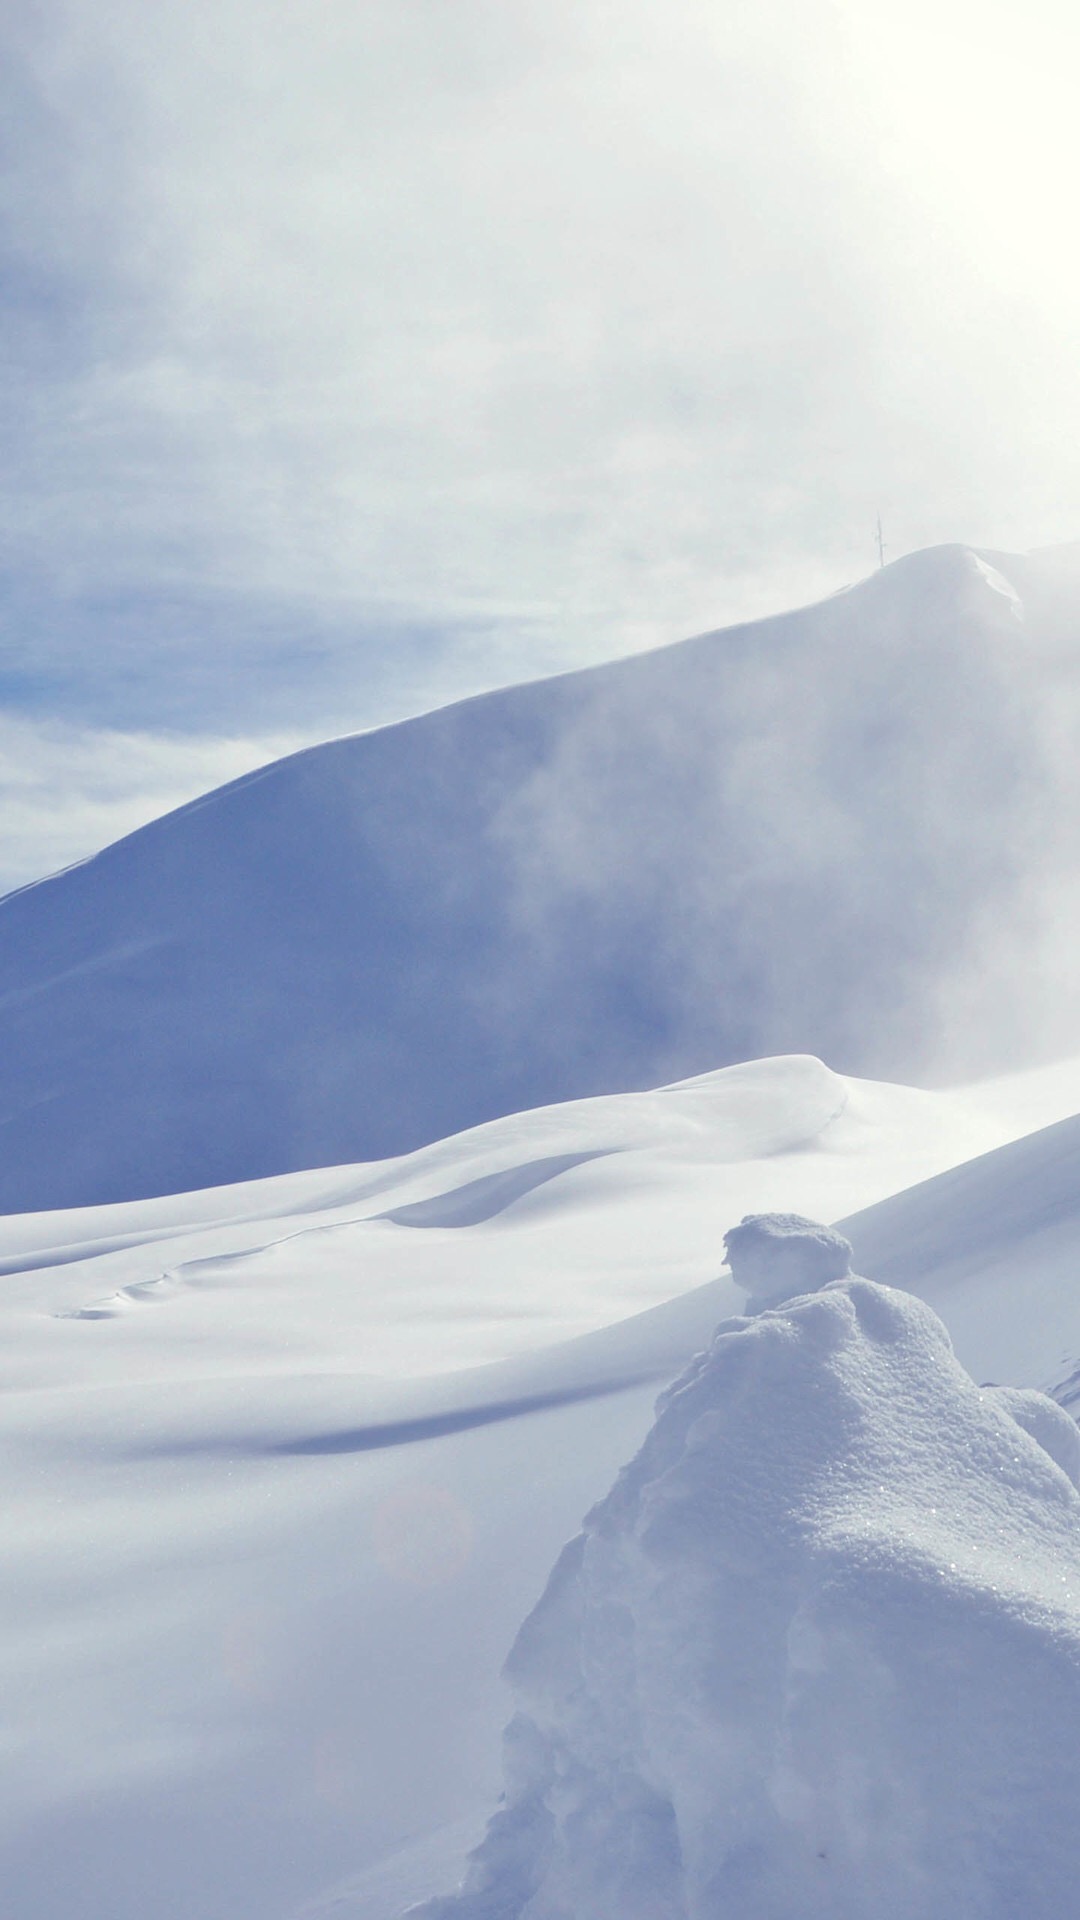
x: 817, y: 1653
x: 998, y: 583
x: 776, y: 1255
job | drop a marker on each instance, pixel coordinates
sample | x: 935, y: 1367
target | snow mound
x: 777, y: 1255
x: 817, y: 1653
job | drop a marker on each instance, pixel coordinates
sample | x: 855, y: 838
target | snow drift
x: 763, y: 840
x: 817, y: 1653
x: 223, y: 1699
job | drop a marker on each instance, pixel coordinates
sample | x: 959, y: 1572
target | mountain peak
x: 778, y: 838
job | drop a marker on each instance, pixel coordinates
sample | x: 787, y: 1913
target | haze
x: 363, y: 356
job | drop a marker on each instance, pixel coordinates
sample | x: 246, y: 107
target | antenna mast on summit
x: 880, y: 543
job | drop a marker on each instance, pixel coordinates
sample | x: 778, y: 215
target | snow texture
x: 816, y: 1654
x: 776, y: 1255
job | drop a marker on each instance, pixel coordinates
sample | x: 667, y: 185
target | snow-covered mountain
x: 825, y: 831
x: 287, y: 1464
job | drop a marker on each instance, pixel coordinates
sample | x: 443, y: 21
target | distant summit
x: 781, y: 837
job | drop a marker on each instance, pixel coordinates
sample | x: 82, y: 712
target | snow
x: 754, y: 842
x: 817, y: 1652
x: 998, y: 583
x: 775, y: 1255
x: 598, y: 1209
x: 272, y: 1521
x: 375, y: 1126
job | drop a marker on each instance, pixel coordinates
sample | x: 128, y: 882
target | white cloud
x: 66, y: 791
x: 559, y: 328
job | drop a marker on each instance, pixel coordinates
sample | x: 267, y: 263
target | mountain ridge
x: 584, y: 883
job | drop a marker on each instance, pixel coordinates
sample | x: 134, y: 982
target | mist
x: 848, y: 831
x: 363, y: 360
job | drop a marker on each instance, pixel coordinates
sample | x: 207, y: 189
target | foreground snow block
x: 817, y: 1654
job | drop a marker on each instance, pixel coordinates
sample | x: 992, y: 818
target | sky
x: 361, y: 356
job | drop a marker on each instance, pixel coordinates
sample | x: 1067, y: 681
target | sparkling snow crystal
x: 816, y: 1656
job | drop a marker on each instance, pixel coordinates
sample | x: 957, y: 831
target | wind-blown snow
x: 817, y: 1653
x: 997, y: 581
x: 757, y: 841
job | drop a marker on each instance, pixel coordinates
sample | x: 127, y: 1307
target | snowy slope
x: 270, y: 1529
x: 532, y: 1228
x: 798, y: 834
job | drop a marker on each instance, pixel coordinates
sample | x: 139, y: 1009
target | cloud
x: 66, y: 791
x: 460, y: 342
